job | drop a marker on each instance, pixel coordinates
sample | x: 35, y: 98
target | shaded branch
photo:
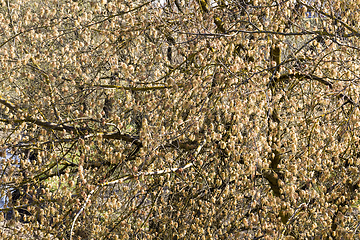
x: 10, y: 105
x: 273, y: 181
x: 300, y: 76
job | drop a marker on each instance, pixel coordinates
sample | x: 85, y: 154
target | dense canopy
x: 180, y: 119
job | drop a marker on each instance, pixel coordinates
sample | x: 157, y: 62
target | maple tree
x: 184, y: 119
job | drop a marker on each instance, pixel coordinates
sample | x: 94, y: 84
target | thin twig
x: 82, y: 209
x: 160, y: 172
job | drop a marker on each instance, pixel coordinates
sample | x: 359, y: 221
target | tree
x: 179, y: 119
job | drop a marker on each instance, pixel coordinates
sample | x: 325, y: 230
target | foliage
x: 185, y: 119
